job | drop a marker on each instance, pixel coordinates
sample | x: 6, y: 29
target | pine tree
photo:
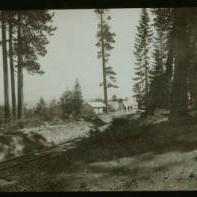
x: 157, y: 91
x: 163, y: 56
x: 19, y: 66
x: 41, y: 108
x: 66, y: 103
x: 142, y: 47
x: 53, y: 108
x: 77, y: 99
x: 192, y: 67
x: 11, y: 60
x: 5, y: 65
x: 179, y: 102
x: 33, y: 28
x: 161, y: 72
x: 180, y: 72
x: 105, y: 41
x: 28, y: 37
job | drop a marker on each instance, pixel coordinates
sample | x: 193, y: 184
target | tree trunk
x: 169, y: 70
x: 178, y: 108
x: 20, y: 71
x: 5, y: 67
x: 103, y: 62
x: 146, y: 87
x: 12, y: 69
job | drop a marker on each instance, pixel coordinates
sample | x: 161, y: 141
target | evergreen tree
x: 163, y: 56
x: 179, y: 102
x: 53, y: 108
x: 19, y: 66
x: 180, y: 72
x: 33, y: 28
x: 5, y: 66
x: 28, y: 32
x: 66, y: 103
x: 142, y: 47
x: 174, y: 73
x: 157, y: 96
x: 105, y: 41
x: 77, y: 98
x: 41, y: 108
x: 192, y: 67
x: 11, y: 61
x: 71, y: 102
x: 161, y: 72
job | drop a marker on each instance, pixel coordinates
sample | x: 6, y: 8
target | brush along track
x: 33, y: 156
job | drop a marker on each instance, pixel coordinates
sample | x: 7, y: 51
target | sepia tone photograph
x: 98, y: 99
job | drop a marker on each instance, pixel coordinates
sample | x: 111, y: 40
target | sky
x: 72, y: 55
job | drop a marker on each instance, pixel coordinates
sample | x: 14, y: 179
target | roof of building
x: 96, y: 104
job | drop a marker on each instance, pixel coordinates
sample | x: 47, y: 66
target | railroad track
x: 33, y: 156
x: 30, y: 157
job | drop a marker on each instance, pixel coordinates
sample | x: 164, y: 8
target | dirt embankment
x: 126, y: 156
x: 29, y: 140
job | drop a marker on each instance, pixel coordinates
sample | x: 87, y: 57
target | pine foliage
x: 141, y: 52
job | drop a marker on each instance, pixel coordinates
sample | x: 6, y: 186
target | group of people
x: 128, y: 108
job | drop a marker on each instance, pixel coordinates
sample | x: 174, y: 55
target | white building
x: 97, y: 106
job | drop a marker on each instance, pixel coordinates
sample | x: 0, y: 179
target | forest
x: 74, y: 144
x: 165, y: 61
x: 164, y: 49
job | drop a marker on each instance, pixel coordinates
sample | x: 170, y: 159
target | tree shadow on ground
x: 125, y: 139
x: 128, y: 139
x: 121, y: 140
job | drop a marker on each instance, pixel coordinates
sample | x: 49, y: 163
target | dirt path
x: 57, y: 172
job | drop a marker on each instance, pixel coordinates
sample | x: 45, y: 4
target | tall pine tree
x: 11, y: 15
x: 5, y: 66
x: 179, y: 102
x: 164, y: 45
x: 192, y: 67
x: 141, y: 52
x: 33, y: 29
x: 105, y: 41
x: 161, y: 72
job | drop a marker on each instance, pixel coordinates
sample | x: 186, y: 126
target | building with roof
x: 97, y: 106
